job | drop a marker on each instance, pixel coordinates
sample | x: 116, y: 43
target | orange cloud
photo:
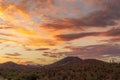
x: 14, y: 54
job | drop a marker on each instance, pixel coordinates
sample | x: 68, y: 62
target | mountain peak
x: 9, y: 63
x: 67, y: 60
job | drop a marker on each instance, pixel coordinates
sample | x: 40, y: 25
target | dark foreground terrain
x: 70, y: 68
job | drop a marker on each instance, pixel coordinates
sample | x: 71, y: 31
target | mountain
x: 9, y: 65
x: 66, y: 61
x: 12, y: 65
x: 75, y: 61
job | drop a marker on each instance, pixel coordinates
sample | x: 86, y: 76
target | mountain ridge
x: 71, y: 60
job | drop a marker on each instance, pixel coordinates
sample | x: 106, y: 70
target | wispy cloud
x: 14, y: 54
x: 109, y: 33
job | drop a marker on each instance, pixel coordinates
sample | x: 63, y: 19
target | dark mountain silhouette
x: 12, y: 65
x: 63, y: 62
x: 75, y: 60
x: 9, y: 65
x: 66, y: 61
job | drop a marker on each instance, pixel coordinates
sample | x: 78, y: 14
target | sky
x: 45, y: 31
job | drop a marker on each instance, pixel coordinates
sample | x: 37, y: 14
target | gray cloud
x: 110, y: 33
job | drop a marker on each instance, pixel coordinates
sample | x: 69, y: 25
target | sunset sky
x: 44, y: 31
